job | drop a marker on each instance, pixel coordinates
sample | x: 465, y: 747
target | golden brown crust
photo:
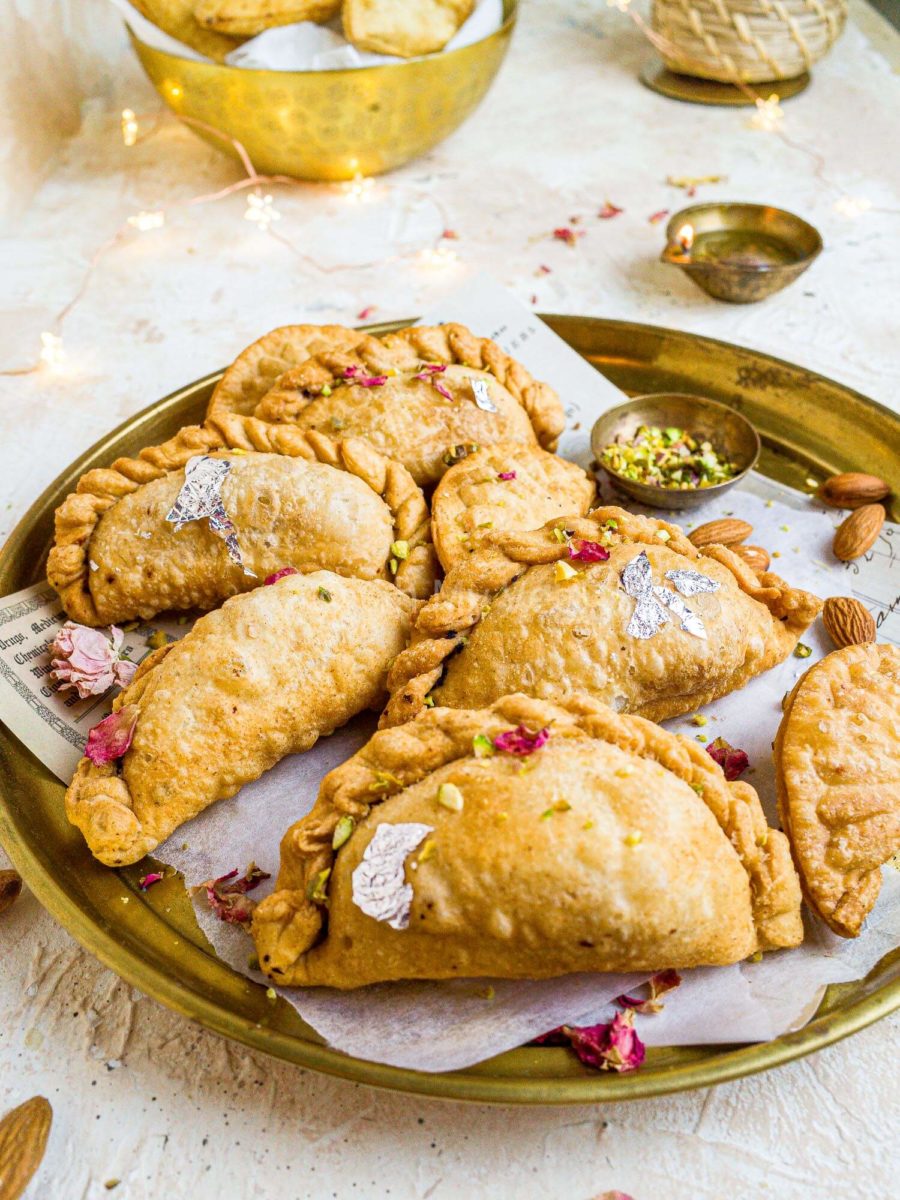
x: 470, y: 588
x: 255, y: 370
x: 176, y: 18
x: 68, y: 568
x: 837, y: 761
x: 396, y: 27
x: 477, y: 495
x: 263, y: 676
x: 287, y: 924
x: 247, y: 18
x: 407, y: 417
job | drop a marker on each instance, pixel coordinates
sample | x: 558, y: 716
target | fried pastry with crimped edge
x: 408, y: 417
x: 315, y: 503
x: 474, y: 496
x: 616, y: 846
x: 247, y: 18
x: 264, y: 676
x: 837, y: 771
x: 256, y: 369
x: 398, y: 27
x: 504, y: 622
x: 176, y: 18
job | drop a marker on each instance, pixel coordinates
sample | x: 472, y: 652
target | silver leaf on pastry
x: 690, y: 583
x: 201, y: 496
x: 650, y: 613
x: 482, y: 394
x: 380, y: 889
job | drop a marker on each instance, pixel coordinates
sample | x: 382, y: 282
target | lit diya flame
x: 685, y: 237
x: 678, y: 249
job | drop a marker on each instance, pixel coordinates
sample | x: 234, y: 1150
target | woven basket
x: 754, y: 41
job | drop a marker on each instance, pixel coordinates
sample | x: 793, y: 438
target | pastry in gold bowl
x: 398, y: 27
x: 837, y: 761
x: 264, y: 676
x: 620, y: 607
x: 247, y: 18
x: 217, y: 508
x: 426, y: 396
x: 176, y: 18
x: 525, y: 840
x: 256, y: 369
x: 504, y: 486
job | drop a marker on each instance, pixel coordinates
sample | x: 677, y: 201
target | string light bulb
x: 439, y: 256
x: 261, y: 211
x: 143, y: 221
x: 130, y: 127
x: 359, y: 189
x: 769, y: 115
x: 52, y: 351
x: 852, y: 206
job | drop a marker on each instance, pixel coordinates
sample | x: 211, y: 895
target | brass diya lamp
x: 740, y: 252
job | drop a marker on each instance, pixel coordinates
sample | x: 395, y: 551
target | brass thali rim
x: 475, y: 1084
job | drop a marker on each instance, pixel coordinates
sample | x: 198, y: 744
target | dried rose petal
x: 656, y: 217
x: 227, y: 895
x: 588, y: 552
x: 365, y: 313
x: 371, y: 381
x: 112, y: 737
x: 450, y: 235
x: 87, y: 660
x: 521, y: 741
x: 662, y: 982
x: 543, y: 269
x: 433, y: 369
x: 564, y: 234
x: 733, y: 762
x: 609, y: 210
x: 610, y: 1047
x: 505, y: 475
x: 147, y: 881
x: 440, y: 387
x: 350, y: 372
x: 276, y: 575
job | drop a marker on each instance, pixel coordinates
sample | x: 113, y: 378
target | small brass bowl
x: 741, y: 252
x: 731, y: 435
x: 332, y: 125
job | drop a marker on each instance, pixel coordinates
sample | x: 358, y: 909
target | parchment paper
x: 444, y: 1026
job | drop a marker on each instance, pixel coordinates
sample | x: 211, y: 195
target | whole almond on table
x: 726, y: 532
x: 849, y: 623
x: 852, y: 490
x: 23, y: 1139
x: 10, y: 886
x: 754, y: 556
x: 858, y: 533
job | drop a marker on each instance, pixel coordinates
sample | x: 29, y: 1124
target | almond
x: 754, y: 556
x: 858, y: 532
x: 726, y: 532
x: 849, y: 623
x: 23, y: 1139
x: 10, y: 886
x: 853, y: 490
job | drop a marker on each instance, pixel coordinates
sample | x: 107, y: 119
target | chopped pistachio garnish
x: 326, y: 389
x: 785, y: 528
x: 271, y: 995
x: 559, y: 806
x: 667, y: 458
x: 588, y: 825
x: 324, y: 594
x: 801, y: 651
x: 489, y: 992
x: 756, y: 956
x: 400, y: 549
x: 428, y: 701
x: 383, y: 780
x: 559, y: 532
x: 698, y: 788
x: 634, y: 838
x: 701, y: 737
x: 157, y: 640
x: 342, y: 831
x: 663, y: 535
x: 482, y: 746
x: 502, y: 816
x: 315, y: 889
x: 763, y: 838
x: 394, y: 565
x: 699, y: 719
x: 449, y: 796
x: 612, y: 523
x: 562, y: 572
x: 429, y: 849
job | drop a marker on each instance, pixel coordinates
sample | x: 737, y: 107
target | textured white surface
x: 143, y: 1096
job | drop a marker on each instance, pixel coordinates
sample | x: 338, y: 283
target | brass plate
x: 694, y: 90
x: 152, y: 940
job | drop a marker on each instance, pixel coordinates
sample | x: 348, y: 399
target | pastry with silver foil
x: 837, y: 770
x: 218, y: 507
x: 398, y: 27
x: 525, y: 840
x: 505, y: 486
x: 426, y: 396
x: 620, y: 607
x: 262, y: 677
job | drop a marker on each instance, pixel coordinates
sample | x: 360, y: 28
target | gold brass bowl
x: 331, y: 125
x: 731, y: 435
x: 740, y: 252
x: 151, y: 938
